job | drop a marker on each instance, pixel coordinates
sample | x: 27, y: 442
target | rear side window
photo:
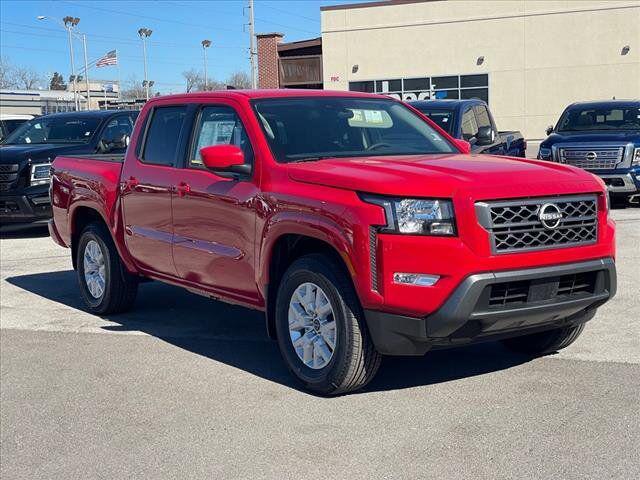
x: 163, y: 135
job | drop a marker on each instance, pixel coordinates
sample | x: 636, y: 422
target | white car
x: 9, y: 122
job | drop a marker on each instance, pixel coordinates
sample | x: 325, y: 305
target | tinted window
x: 366, y: 87
x: 479, y: 93
x: 482, y: 116
x: 443, y: 118
x: 469, y: 125
x: 118, y: 127
x: 440, y: 83
x: 11, y: 125
x: 300, y: 129
x: 446, y: 94
x: 163, y: 135
x: 416, y: 84
x: 619, y: 118
x: 481, y: 80
x: 219, y: 126
x: 67, y: 129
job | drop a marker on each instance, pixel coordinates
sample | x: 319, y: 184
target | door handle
x: 130, y: 183
x: 183, y: 189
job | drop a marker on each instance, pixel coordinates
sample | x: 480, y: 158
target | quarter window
x: 163, y: 135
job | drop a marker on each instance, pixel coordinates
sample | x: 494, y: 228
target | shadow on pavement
x: 236, y: 336
x: 23, y: 231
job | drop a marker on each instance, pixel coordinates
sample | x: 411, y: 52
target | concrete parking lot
x: 184, y: 387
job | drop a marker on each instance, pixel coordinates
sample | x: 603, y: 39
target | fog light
x: 418, y: 279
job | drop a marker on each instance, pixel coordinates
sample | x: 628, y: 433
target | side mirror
x: 549, y: 130
x: 485, y: 135
x: 224, y: 158
x: 462, y: 145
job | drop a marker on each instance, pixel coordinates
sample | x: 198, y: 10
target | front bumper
x: 471, y: 313
x: 26, y: 208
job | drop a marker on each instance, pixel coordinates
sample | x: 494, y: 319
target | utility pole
x: 205, y: 44
x: 86, y: 71
x: 252, y: 47
x: 69, y: 23
x: 144, y: 34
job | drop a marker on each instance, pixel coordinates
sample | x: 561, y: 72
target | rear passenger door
x: 213, y: 213
x: 148, y: 179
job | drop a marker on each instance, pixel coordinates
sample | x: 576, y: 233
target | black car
x: 26, y: 156
x: 601, y: 137
x: 471, y: 120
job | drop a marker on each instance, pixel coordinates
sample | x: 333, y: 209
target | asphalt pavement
x: 185, y: 387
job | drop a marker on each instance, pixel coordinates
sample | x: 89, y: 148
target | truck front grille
x: 521, y: 225
x: 597, y: 158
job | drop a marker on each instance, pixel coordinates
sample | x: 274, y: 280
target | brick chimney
x: 268, y: 70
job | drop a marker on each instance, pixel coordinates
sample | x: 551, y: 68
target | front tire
x: 320, y: 328
x: 543, y: 343
x: 105, y: 284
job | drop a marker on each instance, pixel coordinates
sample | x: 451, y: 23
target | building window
x: 427, y: 88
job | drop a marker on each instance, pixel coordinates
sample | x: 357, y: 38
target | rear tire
x: 543, y: 343
x: 353, y: 361
x: 105, y: 284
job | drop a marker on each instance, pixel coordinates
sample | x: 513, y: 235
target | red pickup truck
x: 357, y: 225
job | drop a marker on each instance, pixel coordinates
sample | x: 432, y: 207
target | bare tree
x: 27, y: 78
x: 239, y: 80
x: 194, y: 79
x: 133, y: 89
x: 7, y: 79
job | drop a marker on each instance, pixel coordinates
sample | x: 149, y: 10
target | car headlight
x: 40, y: 173
x: 416, y: 216
x: 544, y: 153
x: 636, y: 158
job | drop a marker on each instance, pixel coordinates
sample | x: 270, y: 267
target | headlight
x: 416, y: 216
x: 636, y: 158
x: 544, y: 153
x: 40, y: 173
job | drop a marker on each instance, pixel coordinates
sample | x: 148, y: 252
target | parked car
x: 26, y: 156
x: 348, y: 218
x: 9, y: 122
x: 471, y: 120
x: 604, y: 139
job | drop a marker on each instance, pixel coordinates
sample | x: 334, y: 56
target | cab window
x: 163, y: 135
x: 219, y: 125
x: 469, y: 125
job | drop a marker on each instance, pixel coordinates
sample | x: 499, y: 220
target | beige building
x: 529, y: 59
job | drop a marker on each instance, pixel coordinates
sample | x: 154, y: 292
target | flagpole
x: 119, y: 83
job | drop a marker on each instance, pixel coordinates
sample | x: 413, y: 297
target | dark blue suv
x: 603, y: 138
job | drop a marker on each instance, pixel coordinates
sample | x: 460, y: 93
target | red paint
x: 193, y: 228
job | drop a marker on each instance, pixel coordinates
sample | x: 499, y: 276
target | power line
x: 286, y: 12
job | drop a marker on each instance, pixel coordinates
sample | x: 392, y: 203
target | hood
x: 621, y: 136
x: 474, y: 176
x: 36, y: 153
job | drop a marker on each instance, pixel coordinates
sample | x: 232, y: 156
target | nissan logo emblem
x: 591, y: 156
x: 550, y: 216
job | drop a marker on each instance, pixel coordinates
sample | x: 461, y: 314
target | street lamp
x: 69, y: 23
x: 205, y: 44
x: 144, y: 34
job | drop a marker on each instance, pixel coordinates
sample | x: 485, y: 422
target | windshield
x: 306, y: 129
x: 442, y: 118
x: 589, y: 119
x: 54, y: 130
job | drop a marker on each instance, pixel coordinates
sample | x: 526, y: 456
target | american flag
x: 111, y: 58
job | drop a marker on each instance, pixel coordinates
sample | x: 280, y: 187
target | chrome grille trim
x: 603, y: 158
x: 514, y: 225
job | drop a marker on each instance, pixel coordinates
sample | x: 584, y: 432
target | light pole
x: 69, y: 24
x: 205, y: 44
x: 144, y: 34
